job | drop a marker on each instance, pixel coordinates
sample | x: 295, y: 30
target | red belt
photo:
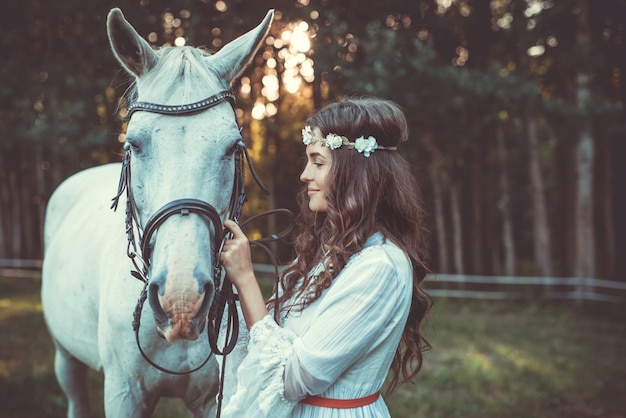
x: 340, y: 403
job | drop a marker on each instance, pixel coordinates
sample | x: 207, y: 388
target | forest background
x: 516, y: 112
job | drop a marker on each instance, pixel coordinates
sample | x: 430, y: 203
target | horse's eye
x: 132, y: 146
x: 233, y: 149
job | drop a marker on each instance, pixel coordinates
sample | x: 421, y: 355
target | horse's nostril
x: 153, y: 298
x: 209, y: 294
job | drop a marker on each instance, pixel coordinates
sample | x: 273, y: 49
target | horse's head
x: 185, y: 156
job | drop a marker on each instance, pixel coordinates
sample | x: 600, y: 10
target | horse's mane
x: 175, y: 78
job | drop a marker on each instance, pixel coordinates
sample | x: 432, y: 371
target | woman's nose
x: 304, y: 176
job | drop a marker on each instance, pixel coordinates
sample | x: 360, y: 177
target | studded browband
x: 182, y: 109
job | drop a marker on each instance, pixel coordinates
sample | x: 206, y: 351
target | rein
x: 224, y: 295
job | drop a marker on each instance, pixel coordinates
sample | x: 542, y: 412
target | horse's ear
x: 234, y: 57
x: 130, y: 49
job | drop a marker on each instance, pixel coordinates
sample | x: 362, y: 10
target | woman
x: 350, y: 303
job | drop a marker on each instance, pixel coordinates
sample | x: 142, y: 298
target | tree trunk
x: 505, y: 206
x: 440, y: 223
x: 585, y: 249
x: 28, y: 219
x: 457, y: 231
x: 492, y: 239
x: 14, y: 231
x: 476, y: 191
x: 583, y: 210
x: 609, y: 214
x: 496, y: 260
x: 437, y: 172
x: 541, y: 229
x: 5, y: 210
x: 40, y: 198
x: 566, y: 248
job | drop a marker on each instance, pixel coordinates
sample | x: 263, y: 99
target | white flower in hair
x: 307, y: 135
x: 334, y: 141
x: 363, y: 145
x: 366, y: 146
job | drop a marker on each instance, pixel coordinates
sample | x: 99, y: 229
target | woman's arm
x: 237, y: 263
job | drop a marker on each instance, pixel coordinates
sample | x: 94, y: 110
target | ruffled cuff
x: 260, y: 377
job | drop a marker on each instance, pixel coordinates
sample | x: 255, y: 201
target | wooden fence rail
x: 506, y: 287
x: 447, y: 285
x: 30, y: 269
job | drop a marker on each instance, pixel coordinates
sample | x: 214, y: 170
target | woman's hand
x: 235, y: 257
x: 237, y: 263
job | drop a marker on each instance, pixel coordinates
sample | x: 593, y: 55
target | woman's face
x: 315, y: 174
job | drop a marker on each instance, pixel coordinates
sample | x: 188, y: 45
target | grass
x: 489, y: 359
x: 504, y: 359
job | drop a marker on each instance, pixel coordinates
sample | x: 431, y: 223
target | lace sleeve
x: 260, y: 377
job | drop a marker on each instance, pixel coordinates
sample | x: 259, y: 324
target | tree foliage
x: 469, y: 73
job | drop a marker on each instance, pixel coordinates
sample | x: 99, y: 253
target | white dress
x: 341, y: 346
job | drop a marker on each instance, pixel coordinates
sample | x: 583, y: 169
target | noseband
x: 224, y: 293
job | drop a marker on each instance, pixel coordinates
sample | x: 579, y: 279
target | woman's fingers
x: 235, y: 257
x: 233, y: 227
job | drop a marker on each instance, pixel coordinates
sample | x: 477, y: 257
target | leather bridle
x: 224, y: 293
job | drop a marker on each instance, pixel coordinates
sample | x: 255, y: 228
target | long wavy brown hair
x: 364, y: 195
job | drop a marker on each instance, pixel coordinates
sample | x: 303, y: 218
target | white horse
x: 88, y: 293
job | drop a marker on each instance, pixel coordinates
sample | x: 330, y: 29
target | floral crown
x: 334, y: 141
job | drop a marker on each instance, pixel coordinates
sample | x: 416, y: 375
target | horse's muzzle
x: 180, y: 315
